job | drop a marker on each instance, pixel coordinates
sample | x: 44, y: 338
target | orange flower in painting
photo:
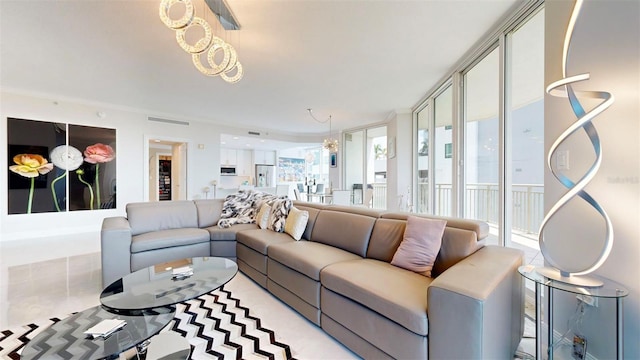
x: 99, y: 153
x: 30, y: 165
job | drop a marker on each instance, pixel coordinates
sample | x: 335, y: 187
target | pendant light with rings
x: 209, y: 44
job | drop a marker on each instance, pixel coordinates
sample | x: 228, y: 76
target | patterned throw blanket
x: 242, y: 207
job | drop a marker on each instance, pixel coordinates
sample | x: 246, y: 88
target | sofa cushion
x: 395, y: 293
x: 168, y: 238
x: 230, y: 233
x: 162, y: 215
x: 385, y: 238
x: 480, y: 228
x: 344, y: 230
x: 296, y: 223
x: 420, y: 245
x: 457, y: 244
x: 308, y: 257
x: 209, y: 211
x: 259, y: 240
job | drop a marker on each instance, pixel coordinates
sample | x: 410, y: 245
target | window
x: 526, y: 155
x: 365, y: 170
x: 484, y: 130
x: 377, y: 167
x: 481, y: 198
x: 422, y: 192
x: 443, y: 155
x: 448, y: 151
x: 354, y: 164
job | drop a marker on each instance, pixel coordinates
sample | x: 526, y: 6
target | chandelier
x: 329, y: 143
x: 229, y: 67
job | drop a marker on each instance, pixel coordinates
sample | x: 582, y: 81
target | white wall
x: 400, y: 168
x: 131, y: 130
x: 606, y: 45
x: 352, y: 159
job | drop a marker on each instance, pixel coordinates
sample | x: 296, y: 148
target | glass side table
x: 610, y: 289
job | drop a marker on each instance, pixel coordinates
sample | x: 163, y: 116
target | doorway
x: 366, y: 176
x: 167, y: 166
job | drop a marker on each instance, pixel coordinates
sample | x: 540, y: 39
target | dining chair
x: 341, y: 197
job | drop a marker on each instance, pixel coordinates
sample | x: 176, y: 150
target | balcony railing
x: 481, y: 202
x: 379, y: 195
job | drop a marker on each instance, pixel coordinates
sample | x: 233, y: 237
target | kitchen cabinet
x: 243, y: 164
x: 243, y: 160
x: 228, y: 157
x: 264, y: 157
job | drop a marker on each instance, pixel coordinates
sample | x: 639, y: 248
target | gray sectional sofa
x: 339, y: 275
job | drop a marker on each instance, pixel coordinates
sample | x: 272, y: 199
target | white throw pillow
x: 296, y: 223
x: 262, y: 219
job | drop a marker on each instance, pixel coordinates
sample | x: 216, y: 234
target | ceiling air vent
x: 167, y: 121
x: 254, y: 133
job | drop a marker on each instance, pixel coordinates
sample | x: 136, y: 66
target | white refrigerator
x: 265, y: 176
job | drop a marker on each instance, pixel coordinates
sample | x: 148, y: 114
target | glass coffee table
x: 145, y: 299
x: 66, y: 338
x: 158, y: 285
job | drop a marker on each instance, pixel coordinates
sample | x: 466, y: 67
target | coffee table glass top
x: 66, y: 339
x: 157, y: 285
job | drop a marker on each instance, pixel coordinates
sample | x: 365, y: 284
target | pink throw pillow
x: 420, y: 245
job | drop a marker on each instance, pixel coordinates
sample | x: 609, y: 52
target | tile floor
x: 42, y: 278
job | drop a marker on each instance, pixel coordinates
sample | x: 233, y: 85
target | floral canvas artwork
x: 94, y: 184
x: 78, y: 173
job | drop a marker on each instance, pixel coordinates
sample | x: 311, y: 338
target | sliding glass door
x: 480, y: 139
x: 365, y: 170
x: 422, y: 192
x: 482, y: 142
x: 525, y: 116
x: 443, y: 153
x: 376, y: 155
x: 354, y: 165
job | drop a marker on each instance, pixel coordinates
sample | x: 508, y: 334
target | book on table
x: 105, y: 328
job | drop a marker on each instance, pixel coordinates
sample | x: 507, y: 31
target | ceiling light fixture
x: 208, y: 44
x: 202, y: 44
x: 181, y: 22
x: 329, y: 143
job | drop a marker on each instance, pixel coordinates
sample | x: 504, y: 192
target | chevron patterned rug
x: 216, y: 326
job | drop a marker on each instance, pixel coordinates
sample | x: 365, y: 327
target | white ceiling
x: 357, y: 60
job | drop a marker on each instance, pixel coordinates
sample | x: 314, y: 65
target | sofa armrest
x: 476, y: 307
x: 115, y: 243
